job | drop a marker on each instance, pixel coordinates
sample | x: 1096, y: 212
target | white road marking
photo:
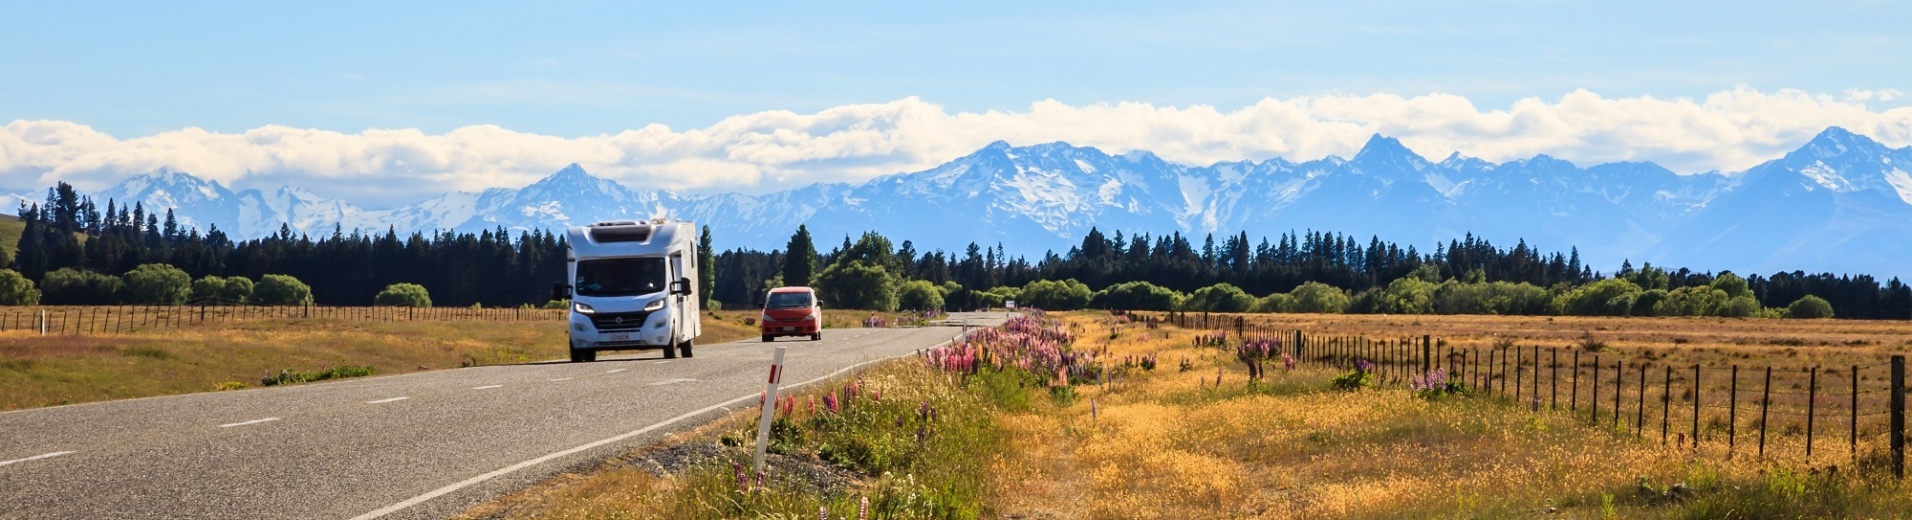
x: 561, y: 379
x: 615, y: 370
x: 382, y: 401
x: 36, y: 457
x: 486, y: 387
x: 547, y: 458
x: 254, y: 421
x: 672, y: 382
x: 661, y: 362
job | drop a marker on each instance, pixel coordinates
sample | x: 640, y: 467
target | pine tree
x: 800, y: 258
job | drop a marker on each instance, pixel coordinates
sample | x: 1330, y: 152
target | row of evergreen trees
x: 1295, y: 273
x: 490, y: 268
x: 493, y: 268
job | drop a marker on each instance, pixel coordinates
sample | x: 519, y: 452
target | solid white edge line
x: 254, y: 421
x: 561, y: 379
x: 640, y: 431
x: 37, y: 457
x: 383, y: 401
x: 487, y: 387
x: 615, y: 370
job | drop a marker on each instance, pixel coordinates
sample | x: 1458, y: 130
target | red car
x: 792, y: 311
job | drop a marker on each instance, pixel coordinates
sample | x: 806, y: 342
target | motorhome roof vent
x: 616, y: 223
x: 620, y: 233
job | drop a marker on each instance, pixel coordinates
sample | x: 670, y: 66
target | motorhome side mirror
x: 560, y: 291
x: 681, y: 286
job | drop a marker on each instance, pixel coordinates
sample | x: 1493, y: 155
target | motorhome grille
x: 619, y: 321
x: 620, y: 233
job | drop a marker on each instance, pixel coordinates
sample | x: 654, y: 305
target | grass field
x: 235, y: 351
x: 1206, y: 442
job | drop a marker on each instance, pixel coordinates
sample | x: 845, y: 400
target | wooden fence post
x: 1666, y: 405
x: 1812, y: 405
x: 1536, y: 382
x: 1516, y: 375
x: 1427, y: 353
x: 1594, y: 395
x: 1765, y: 404
x: 1619, y: 386
x: 1732, y: 413
x: 1898, y: 416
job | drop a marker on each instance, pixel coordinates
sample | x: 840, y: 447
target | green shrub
x: 1809, y: 307
x: 403, y: 295
x: 16, y: 289
x: 279, y: 289
x: 919, y: 295
x: 1221, y: 297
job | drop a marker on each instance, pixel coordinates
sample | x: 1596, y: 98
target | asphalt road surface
x: 424, y: 445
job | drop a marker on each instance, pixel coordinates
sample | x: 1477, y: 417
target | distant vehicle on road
x: 631, y: 286
x: 792, y: 311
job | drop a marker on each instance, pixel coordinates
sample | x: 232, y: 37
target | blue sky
x: 570, y: 70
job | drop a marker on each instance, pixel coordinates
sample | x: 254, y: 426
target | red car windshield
x: 788, y: 300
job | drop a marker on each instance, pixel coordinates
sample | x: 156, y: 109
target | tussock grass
x: 920, y: 443
x: 1172, y: 444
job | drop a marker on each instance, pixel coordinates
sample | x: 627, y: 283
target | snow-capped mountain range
x: 1840, y: 203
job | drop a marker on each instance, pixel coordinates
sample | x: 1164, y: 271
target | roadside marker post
x: 769, y: 408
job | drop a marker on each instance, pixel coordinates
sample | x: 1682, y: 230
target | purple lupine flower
x: 760, y: 480
x: 739, y: 470
x: 823, y: 513
x: 863, y: 509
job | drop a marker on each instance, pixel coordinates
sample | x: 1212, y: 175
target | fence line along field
x: 1725, y: 395
x: 97, y: 353
x: 122, y: 319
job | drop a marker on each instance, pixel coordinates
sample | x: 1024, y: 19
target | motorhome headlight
x: 582, y: 308
x: 654, y: 305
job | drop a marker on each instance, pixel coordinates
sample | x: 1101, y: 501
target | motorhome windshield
x: 620, y: 276
x: 787, y: 300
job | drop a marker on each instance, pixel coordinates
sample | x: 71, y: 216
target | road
x: 423, y: 445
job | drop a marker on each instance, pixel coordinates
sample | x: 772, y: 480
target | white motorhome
x: 632, y: 287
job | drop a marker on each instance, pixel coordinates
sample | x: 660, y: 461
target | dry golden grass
x: 49, y: 370
x: 1172, y: 444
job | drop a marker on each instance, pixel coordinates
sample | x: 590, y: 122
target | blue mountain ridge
x: 1840, y: 203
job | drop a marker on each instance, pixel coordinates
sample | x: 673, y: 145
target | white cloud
x: 1729, y: 131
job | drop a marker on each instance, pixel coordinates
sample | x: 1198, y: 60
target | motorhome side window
x: 620, y: 276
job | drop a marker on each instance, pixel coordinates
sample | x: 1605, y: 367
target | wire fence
x: 129, y: 319
x: 1808, y: 416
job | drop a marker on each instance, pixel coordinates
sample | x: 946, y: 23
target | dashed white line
x: 383, y: 401
x: 615, y: 370
x: 671, y: 382
x: 661, y: 362
x: 36, y: 457
x: 561, y: 379
x: 448, y: 489
x: 254, y: 421
x: 487, y: 387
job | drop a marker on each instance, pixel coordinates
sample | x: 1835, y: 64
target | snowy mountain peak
x: 1835, y: 141
x: 1383, y: 152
